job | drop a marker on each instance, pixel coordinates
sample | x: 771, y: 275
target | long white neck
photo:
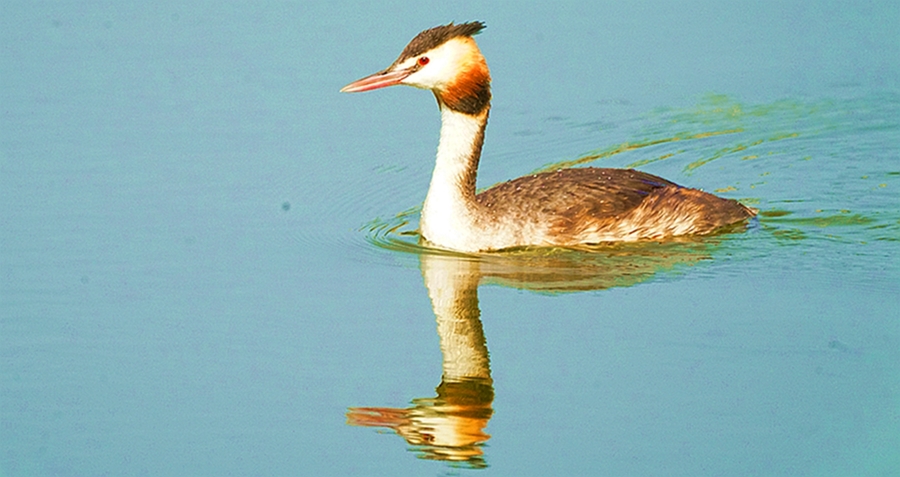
x: 448, y: 215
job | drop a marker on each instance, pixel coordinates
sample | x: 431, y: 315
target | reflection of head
x: 449, y: 427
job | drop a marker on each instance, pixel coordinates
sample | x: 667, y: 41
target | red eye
x: 423, y: 60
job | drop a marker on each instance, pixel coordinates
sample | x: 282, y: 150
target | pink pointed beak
x: 382, y: 79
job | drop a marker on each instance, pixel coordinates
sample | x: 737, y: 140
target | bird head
x: 443, y: 59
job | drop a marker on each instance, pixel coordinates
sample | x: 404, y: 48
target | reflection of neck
x: 453, y: 287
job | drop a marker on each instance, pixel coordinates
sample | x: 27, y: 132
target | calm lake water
x: 208, y: 259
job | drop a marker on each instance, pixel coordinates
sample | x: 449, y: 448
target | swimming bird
x: 565, y: 207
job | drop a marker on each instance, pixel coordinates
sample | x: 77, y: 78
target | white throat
x: 449, y: 212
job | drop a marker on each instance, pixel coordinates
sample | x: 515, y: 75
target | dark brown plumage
x: 437, y: 36
x: 601, y: 201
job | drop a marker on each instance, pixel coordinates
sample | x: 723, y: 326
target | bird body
x: 566, y: 207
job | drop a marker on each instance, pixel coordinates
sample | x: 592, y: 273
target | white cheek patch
x: 443, y: 64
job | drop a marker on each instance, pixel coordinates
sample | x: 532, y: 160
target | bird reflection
x: 451, y: 426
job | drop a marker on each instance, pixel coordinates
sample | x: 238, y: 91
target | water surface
x: 210, y: 265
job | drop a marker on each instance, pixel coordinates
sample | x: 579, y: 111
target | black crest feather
x: 436, y: 36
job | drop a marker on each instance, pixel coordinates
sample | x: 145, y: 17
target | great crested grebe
x: 566, y: 207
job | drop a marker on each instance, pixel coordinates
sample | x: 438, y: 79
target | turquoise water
x: 210, y: 265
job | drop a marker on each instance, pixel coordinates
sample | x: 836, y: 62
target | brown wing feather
x: 575, y: 201
x: 597, y: 191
